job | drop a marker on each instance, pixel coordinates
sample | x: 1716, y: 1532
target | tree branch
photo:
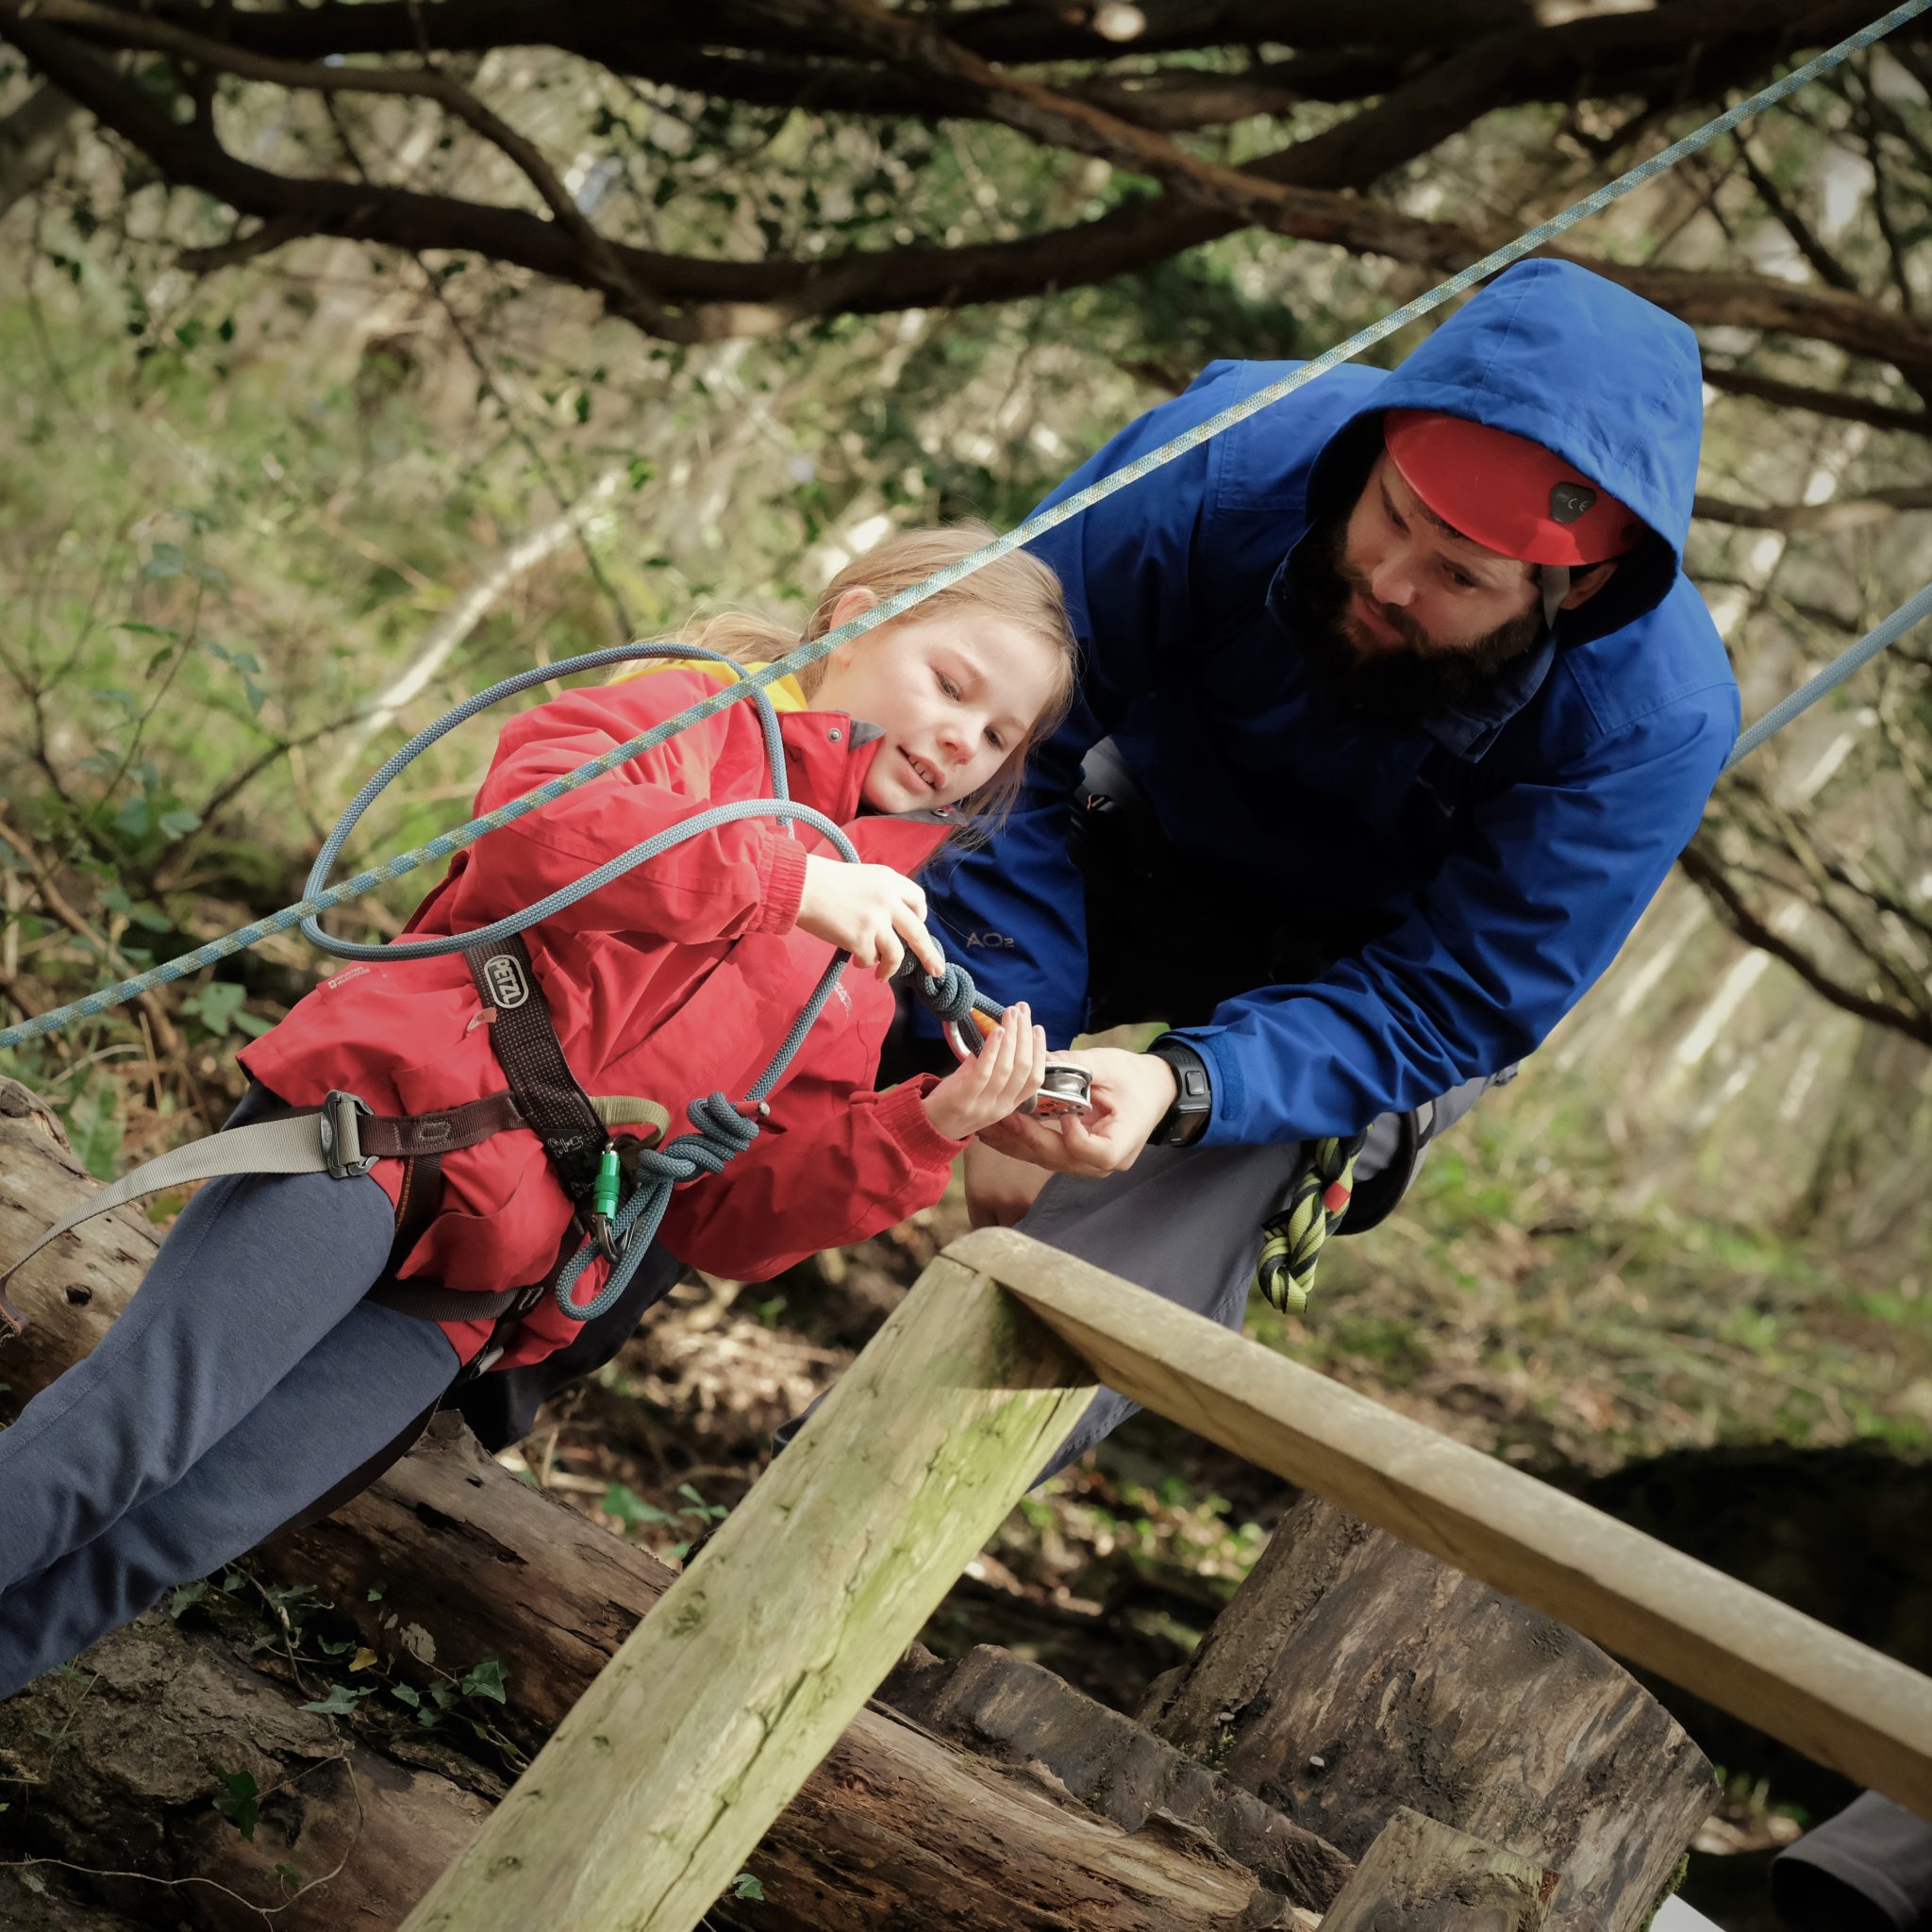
x: 605, y: 272
x: 1292, y: 193
x: 1843, y: 513
x: 1701, y: 866
x: 1823, y: 402
x: 1825, y: 265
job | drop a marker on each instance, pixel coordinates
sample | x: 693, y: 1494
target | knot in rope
x: 1291, y: 1242
x: 723, y: 1132
x: 950, y: 996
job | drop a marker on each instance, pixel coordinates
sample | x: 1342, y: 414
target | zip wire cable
x: 321, y: 899
x: 1913, y: 610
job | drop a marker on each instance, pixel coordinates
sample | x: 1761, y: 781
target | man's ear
x: 1584, y: 584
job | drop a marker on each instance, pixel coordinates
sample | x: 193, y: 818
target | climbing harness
x: 344, y: 1134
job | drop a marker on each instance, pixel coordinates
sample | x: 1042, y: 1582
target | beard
x: 1402, y: 681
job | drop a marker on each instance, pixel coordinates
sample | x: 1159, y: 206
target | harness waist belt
x: 338, y: 1138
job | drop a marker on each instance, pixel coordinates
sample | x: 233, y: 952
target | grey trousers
x: 243, y: 1381
x: 1185, y: 1223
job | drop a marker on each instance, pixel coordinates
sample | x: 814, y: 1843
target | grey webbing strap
x: 525, y: 1039
x: 340, y: 1138
x: 1553, y: 583
x: 300, y: 1143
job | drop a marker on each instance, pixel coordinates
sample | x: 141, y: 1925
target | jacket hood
x: 1579, y: 365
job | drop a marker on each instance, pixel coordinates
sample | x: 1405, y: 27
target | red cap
x: 1507, y: 493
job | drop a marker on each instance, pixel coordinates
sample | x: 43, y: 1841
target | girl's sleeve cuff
x: 781, y: 874
x: 902, y: 1112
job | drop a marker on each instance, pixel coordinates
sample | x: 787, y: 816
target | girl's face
x: 953, y: 693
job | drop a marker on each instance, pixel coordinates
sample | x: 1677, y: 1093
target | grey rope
x: 1913, y: 610
x: 446, y: 843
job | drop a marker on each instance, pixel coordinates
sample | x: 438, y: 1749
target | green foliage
x: 95, y: 1125
x: 238, y: 1800
x: 341, y: 1701
x: 486, y: 1679
x: 219, y: 1005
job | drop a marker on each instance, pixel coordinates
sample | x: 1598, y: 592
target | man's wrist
x: 1186, y: 1119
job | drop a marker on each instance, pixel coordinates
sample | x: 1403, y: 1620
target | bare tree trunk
x: 1351, y: 1676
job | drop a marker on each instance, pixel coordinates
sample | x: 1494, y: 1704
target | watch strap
x: 1185, y: 1119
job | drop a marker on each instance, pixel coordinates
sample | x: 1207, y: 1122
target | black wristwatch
x: 1186, y: 1121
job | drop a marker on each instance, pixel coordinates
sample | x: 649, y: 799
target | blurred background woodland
x: 357, y: 356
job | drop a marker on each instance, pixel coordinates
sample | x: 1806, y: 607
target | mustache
x: 1404, y: 625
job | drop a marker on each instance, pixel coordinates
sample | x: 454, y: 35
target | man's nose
x: 1392, y: 582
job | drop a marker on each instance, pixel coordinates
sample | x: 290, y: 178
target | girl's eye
x: 946, y: 685
x: 994, y: 739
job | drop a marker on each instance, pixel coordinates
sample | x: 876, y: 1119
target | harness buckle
x: 341, y: 1139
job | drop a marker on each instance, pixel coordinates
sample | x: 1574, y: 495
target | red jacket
x: 677, y: 980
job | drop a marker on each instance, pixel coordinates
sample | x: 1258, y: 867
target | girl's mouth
x: 922, y: 771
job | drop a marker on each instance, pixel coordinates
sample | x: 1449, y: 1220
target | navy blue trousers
x: 246, y: 1380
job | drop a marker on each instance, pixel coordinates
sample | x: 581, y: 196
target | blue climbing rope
x: 1913, y: 610
x: 321, y: 899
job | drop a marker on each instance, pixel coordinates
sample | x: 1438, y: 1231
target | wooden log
x: 1352, y: 1674
x: 1422, y: 1877
x: 1835, y: 1700
x: 671, y: 1766
x: 998, y: 1706
x: 473, y: 1564
x: 72, y: 1291
x: 113, y: 1772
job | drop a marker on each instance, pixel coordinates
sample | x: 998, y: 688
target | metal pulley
x: 1065, y: 1088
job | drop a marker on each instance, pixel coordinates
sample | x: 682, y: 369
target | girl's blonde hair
x: 1016, y: 588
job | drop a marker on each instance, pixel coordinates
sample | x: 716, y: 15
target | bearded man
x: 1397, y: 708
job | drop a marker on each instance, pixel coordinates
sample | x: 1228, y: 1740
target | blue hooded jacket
x: 1504, y: 848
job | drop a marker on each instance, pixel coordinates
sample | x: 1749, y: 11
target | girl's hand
x: 1008, y: 1069
x: 870, y: 911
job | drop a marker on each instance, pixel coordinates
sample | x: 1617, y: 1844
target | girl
x: 253, y: 1375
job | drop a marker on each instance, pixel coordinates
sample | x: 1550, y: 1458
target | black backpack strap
x: 545, y: 1091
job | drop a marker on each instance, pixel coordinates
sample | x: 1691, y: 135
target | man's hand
x: 871, y: 912
x: 1000, y: 1189
x: 1131, y: 1092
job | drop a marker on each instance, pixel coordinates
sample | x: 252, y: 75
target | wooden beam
x: 1837, y: 1700
x: 655, y: 1788
x: 1422, y: 1877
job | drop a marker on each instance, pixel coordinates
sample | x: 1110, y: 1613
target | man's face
x: 1409, y: 616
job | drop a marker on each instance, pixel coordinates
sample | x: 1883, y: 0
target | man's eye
x: 1460, y: 582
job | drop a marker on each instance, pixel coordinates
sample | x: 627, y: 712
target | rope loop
x: 724, y: 1131
x: 1317, y: 1204
x: 951, y: 996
